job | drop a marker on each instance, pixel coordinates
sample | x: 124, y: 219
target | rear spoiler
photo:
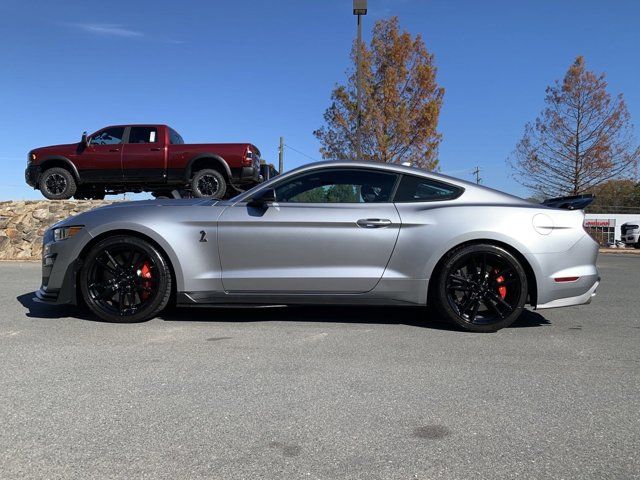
x: 575, y: 202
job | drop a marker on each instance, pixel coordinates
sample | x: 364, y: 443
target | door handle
x: 114, y: 149
x: 155, y: 149
x: 373, y: 222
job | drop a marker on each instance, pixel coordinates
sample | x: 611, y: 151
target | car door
x: 143, y: 157
x: 101, y: 160
x: 330, y: 230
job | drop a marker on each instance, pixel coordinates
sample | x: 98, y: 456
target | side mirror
x: 263, y: 198
x: 84, y: 140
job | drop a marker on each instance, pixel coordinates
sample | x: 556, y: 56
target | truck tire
x: 208, y: 183
x: 57, y: 184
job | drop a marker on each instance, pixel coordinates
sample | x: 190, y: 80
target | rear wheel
x: 208, y: 183
x: 481, y: 288
x: 57, y: 184
x: 125, y: 279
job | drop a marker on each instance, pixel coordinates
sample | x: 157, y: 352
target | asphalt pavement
x: 327, y: 393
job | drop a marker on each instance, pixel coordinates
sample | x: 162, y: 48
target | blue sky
x: 254, y: 70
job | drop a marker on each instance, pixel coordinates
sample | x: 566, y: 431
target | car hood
x: 134, y: 208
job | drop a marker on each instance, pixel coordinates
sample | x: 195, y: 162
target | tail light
x: 247, y: 161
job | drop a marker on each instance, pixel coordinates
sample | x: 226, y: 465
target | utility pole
x: 359, y: 9
x: 476, y: 172
x: 281, y: 156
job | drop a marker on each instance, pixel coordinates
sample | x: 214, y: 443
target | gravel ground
x: 371, y: 393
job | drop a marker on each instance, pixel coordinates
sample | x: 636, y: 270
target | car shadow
x: 411, y: 316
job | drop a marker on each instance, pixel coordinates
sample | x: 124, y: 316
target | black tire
x: 208, y: 183
x: 480, y: 288
x: 57, y: 184
x: 125, y: 279
x: 636, y: 245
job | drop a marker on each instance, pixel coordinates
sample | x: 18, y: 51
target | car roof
x: 390, y: 167
x: 485, y: 192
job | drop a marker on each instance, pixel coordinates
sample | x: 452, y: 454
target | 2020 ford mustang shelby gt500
x: 327, y: 233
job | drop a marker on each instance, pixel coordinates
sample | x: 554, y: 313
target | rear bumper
x: 579, y: 262
x: 570, y: 301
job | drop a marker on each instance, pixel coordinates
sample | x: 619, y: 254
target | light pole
x: 359, y: 9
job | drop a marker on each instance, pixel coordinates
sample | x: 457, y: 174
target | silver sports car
x: 327, y: 233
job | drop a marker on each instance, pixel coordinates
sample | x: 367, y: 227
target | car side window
x: 143, y: 135
x: 109, y: 136
x: 417, y: 189
x: 337, y: 186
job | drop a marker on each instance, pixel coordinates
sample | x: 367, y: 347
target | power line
x: 301, y: 153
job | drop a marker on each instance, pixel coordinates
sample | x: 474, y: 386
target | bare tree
x: 580, y: 140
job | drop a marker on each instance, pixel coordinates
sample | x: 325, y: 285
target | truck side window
x: 143, y: 135
x: 109, y: 136
x: 175, y: 138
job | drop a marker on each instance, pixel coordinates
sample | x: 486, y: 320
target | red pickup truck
x: 141, y: 158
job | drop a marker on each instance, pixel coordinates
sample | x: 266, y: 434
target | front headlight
x: 63, y: 233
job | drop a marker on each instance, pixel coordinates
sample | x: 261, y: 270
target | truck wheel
x: 208, y: 183
x: 57, y: 184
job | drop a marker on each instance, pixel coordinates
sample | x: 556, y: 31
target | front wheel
x: 125, y: 279
x: 481, y: 288
x: 57, y: 184
x: 208, y: 183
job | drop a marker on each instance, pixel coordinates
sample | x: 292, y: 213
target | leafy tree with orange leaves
x: 401, y: 102
x: 582, y: 139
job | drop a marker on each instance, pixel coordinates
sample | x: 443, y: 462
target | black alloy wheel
x: 208, y: 183
x: 481, y: 288
x: 57, y: 184
x: 125, y: 279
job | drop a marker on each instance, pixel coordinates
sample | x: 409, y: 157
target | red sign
x: 600, y: 222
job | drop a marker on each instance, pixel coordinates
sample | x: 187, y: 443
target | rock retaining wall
x: 22, y: 224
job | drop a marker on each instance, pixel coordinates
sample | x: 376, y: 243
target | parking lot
x: 375, y: 393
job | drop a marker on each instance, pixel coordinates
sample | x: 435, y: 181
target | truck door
x: 143, y: 156
x: 101, y: 161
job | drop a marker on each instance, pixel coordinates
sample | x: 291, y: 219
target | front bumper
x: 60, y: 267
x: 32, y: 175
x: 66, y: 294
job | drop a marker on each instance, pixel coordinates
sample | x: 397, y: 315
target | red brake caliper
x: 145, y: 272
x: 502, y: 289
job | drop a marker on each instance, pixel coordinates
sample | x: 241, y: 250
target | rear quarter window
x: 419, y: 189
